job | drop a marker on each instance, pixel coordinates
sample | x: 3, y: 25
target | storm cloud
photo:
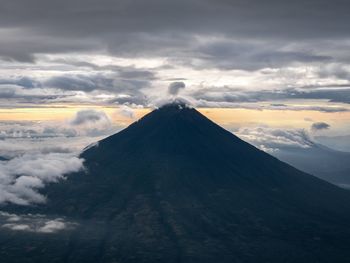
x: 120, y: 25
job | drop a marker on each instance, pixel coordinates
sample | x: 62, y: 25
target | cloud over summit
x: 175, y: 87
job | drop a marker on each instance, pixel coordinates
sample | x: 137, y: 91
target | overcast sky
x: 254, y: 55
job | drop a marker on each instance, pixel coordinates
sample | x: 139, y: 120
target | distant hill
x: 341, y: 143
x: 319, y: 160
x: 176, y: 187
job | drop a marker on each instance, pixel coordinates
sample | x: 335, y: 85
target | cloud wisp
x: 35, y: 223
x: 319, y: 126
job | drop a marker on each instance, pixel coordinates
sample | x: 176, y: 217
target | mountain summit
x: 176, y: 187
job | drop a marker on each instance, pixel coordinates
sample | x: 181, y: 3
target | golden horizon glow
x: 223, y: 116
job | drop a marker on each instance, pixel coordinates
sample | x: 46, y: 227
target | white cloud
x: 20, y: 137
x: 92, y: 122
x: 272, y: 139
x: 19, y: 227
x: 22, y: 177
x: 36, y: 223
x: 52, y: 226
x: 126, y: 111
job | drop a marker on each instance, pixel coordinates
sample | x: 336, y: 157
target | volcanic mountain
x: 176, y: 187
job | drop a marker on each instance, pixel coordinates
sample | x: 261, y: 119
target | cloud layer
x: 273, y: 139
x: 135, y: 52
x: 22, y: 177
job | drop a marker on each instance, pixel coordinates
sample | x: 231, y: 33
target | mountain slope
x: 176, y: 187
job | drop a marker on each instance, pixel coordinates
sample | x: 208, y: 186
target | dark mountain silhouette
x: 176, y: 187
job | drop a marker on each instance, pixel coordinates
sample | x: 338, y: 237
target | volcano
x: 176, y: 187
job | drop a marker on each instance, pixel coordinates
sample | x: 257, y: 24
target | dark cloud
x: 122, y: 72
x: 22, y: 81
x: 79, y: 82
x: 93, y: 82
x: 228, y: 54
x: 175, y: 87
x: 244, y: 36
x: 130, y: 99
x: 156, y: 15
x: 12, y: 95
x: 332, y: 93
x: 337, y: 70
x: 121, y: 81
x: 318, y: 126
x: 138, y: 27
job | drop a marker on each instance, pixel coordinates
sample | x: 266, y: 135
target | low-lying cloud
x: 36, y: 223
x: 92, y: 122
x: 273, y: 139
x: 22, y: 177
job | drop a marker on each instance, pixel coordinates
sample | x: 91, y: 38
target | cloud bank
x: 22, y: 177
x: 273, y: 139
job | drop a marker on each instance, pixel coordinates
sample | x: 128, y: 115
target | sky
x: 244, y: 63
x: 73, y: 72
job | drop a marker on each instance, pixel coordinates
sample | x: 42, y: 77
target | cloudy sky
x: 58, y: 57
x: 271, y: 62
x: 72, y: 72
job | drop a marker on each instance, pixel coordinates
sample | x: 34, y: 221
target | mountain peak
x: 176, y: 103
